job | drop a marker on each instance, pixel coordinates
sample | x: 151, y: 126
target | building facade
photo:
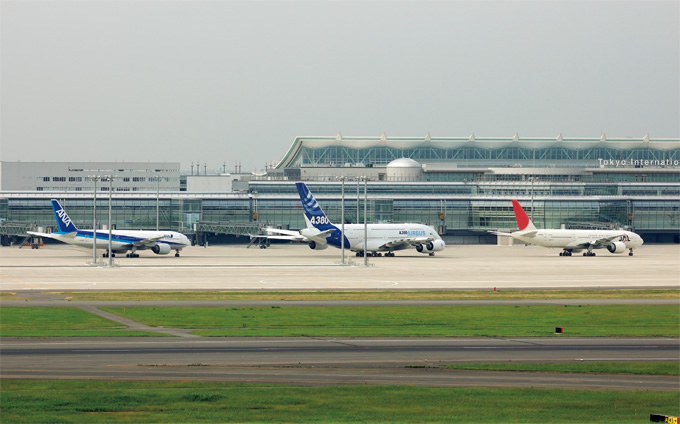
x: 79, y: 176
x: 461, y: 186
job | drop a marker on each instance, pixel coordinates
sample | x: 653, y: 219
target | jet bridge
x: 203, y: 228
x: 12, y: 232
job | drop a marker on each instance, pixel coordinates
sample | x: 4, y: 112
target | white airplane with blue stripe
x: 388, y: 238
x: 122, y: 241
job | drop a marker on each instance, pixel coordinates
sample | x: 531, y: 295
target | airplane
x: 615, y: 241
x: 321, y: 232
x: 122, y: 241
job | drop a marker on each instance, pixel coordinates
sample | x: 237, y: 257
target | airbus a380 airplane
x: 320, y: 233
x: 122, y: 241
x: 615, y: 241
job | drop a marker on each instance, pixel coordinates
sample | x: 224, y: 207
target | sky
x: 221, y: 82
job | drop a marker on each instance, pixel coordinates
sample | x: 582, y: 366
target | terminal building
x: 462, y: 186
x: 79, y: 176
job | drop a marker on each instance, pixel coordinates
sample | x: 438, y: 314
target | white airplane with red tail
x: 615, y: 241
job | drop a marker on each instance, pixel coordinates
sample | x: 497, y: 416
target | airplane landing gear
x: 589, y: 254
x: 630, y: 253
x: 177, y: 254
x: 565, y: 253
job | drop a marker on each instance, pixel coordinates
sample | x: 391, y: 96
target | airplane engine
x: 419, y: 248
x: 433, y: 246
x: 315, y: 245
x: 616, y: 247
x: 161, y: 249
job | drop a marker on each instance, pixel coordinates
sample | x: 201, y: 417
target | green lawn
x: 59, y: 322
x: 80, y: 401
x: 355, y: 321
x: 423, y: 321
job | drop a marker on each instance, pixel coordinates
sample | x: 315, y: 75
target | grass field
x: 422, y: 321
x: 79, y: 401
x: 355, y: 321
x: 59, y: 322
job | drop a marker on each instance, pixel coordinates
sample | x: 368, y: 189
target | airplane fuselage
x: 121, y: 239
x: 572, y: 239
x: 380, y: 236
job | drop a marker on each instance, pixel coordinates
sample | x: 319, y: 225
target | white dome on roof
x: 404, y: 163
x: 404, y: 169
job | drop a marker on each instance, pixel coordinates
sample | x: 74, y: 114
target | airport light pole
x: 365, y: 221
x: 342, y: 220
x: 158, y: 190
x: 110, y: 179
x: 94, y: 218
x: 532, y: 198
x: 358, y: 203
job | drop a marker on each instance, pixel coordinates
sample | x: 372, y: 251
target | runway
x: 296, y: 267
x: 316, y: 361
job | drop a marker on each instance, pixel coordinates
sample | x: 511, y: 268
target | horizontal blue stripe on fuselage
x: 118, y: 238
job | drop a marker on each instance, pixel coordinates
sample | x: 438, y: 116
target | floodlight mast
x: 94, y: 178
x: 342, y: 220
x: 158, y: 190
x: 110, y: 179
x: 365, y: 220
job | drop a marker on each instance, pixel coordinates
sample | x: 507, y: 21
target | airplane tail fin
x: 314, y: 215
x: 523, y: 221
x: 64, y: 223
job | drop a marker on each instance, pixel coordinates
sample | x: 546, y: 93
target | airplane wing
x: 280, y: 234
x: 270, y: 230
x: 599, y: 243
x: 52, y: 235
x: 292, y: 238
x: 321, y: 235
x: 37, y: 234
x: 289, y: 235
x: 146, y: 243
x: 256, y: 238
x: 499, y: 233
x: 530, y: 233
x: 406, y: 242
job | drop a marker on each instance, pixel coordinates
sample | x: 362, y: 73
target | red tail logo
x: 520, y: 215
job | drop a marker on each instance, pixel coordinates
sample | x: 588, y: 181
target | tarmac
x: 296, y: 267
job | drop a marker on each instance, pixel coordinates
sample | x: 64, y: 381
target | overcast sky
x: 228, y: 81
